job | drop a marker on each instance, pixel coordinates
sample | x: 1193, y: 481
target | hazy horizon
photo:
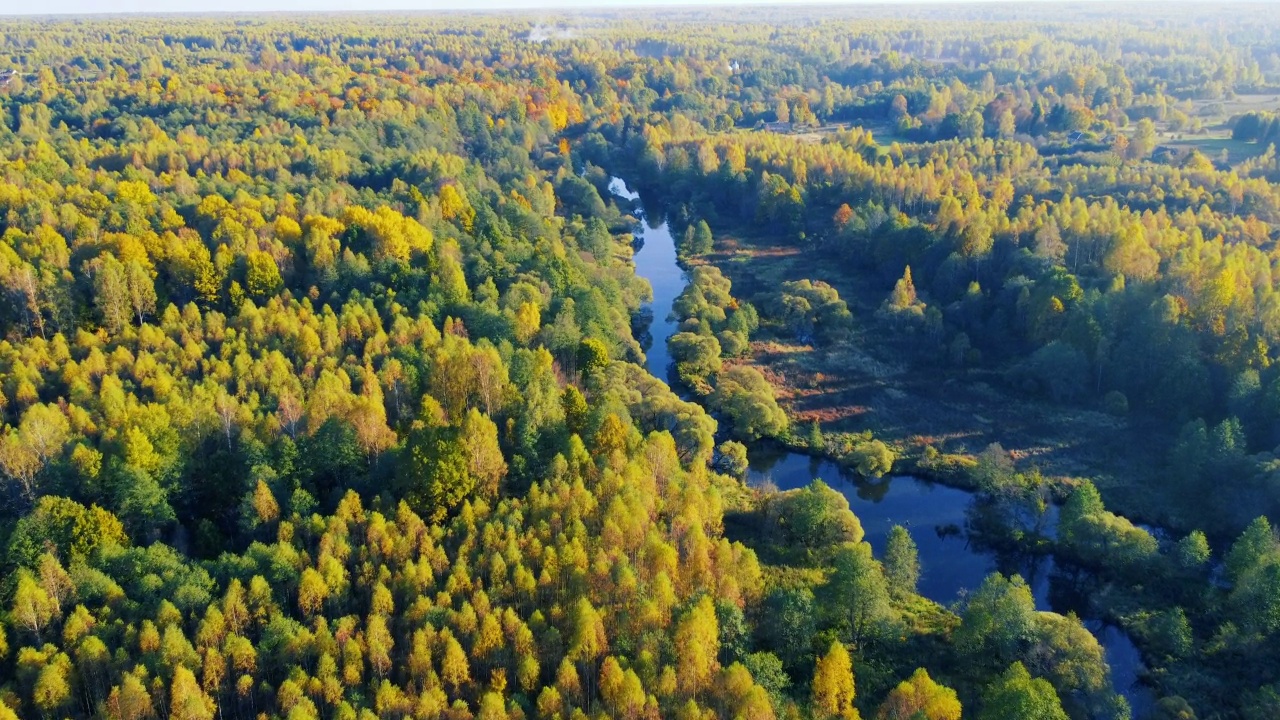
x: 116, y: 7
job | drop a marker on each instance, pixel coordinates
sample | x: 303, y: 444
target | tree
x: 33, y: 608
x: 259, y: 507
x: 1173, y: 708
x: 920, y: 698
x: 26, y: 452
x: 455, y: 671
x: 697, y: 359
x: 610, y: 437
x: 129, y: 700
x: 1143, y: 141
x: 833, y: 688
x: 1193, y: 550
x: 437, y: 476
x: 592, y: 354
x: 859, y: 592
x: 817, y: 517
x: 262, y: 275
x: 142, y: 290
x: 767, y: 671
x: 1016, y: 695
x: 112, y: 292
x: 20, y: 464
x: 1048, y: 242
x: 872, y: 458
x: 1006, y: 124
x: 791, y: 625
x: 575, y: 409
x: 52, y: 690
x: 901, y: 561
x: 816, y: 443
x: 587, y: 639
x: 380, y: 643
x: 187, y: 701
x: 731, y: 458
x: 747, y: 398
x: 697, y: 240
x: 998, y: 620
x: 697, y: 641
x: 903, y: 300
x: 528, y: 321
x: 312, y: 592
x: 1257, y: 541
x: 486, y: 465
x: 1058, y: 369
x: 1255, y: 599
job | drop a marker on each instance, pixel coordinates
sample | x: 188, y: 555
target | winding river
x: 935, y: 514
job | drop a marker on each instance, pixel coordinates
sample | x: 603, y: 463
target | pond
x: 951, y: 563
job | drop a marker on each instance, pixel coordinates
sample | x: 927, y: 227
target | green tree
x: 697, y: 239
x: 998, y: 621
x: 262, y: 275
x: 858, y: 591
x: 1256, y: 542
x: 731, y: 458
x: 817, y: 517
x: 791, y: 627
x: 872, y: 458
x: 436, y: 477
x: 901, y: 561
x: 747, y: 398
x: 1018, y: 696
x: 592, y: 354
x: 815, y: 441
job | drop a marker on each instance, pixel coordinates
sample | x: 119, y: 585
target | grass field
x: 1216, y: 116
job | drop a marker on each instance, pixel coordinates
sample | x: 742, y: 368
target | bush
x: 872, y: 459
x: 1115, y: 403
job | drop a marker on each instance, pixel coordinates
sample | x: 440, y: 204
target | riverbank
x: 936, y: 513
x: 938, y: 416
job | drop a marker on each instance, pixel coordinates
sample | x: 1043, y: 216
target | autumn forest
x: 334, y: 374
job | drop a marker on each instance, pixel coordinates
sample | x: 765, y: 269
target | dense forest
x: 322, y: 361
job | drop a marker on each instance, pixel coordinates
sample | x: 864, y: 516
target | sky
x: 41, y: 7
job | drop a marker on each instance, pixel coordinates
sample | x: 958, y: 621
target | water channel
x: 935, y: 514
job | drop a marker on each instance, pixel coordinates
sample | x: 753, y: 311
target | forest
x: 324, y: 387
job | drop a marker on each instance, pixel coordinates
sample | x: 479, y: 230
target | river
x: 936, y: 515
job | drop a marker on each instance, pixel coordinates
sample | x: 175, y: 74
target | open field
x: 1213, y: 144
x: 1243, y: 103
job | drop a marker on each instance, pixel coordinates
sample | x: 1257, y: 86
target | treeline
x: 1260, y: 127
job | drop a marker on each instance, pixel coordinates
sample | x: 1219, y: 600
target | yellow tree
x: 129, y: 700
x: 454, y: 669
x: 697, y: 641
x: 186, y: 700
x: 312, y: 592
x: 33, y: 608
x: 833, y: 689
x: 920, y: 698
